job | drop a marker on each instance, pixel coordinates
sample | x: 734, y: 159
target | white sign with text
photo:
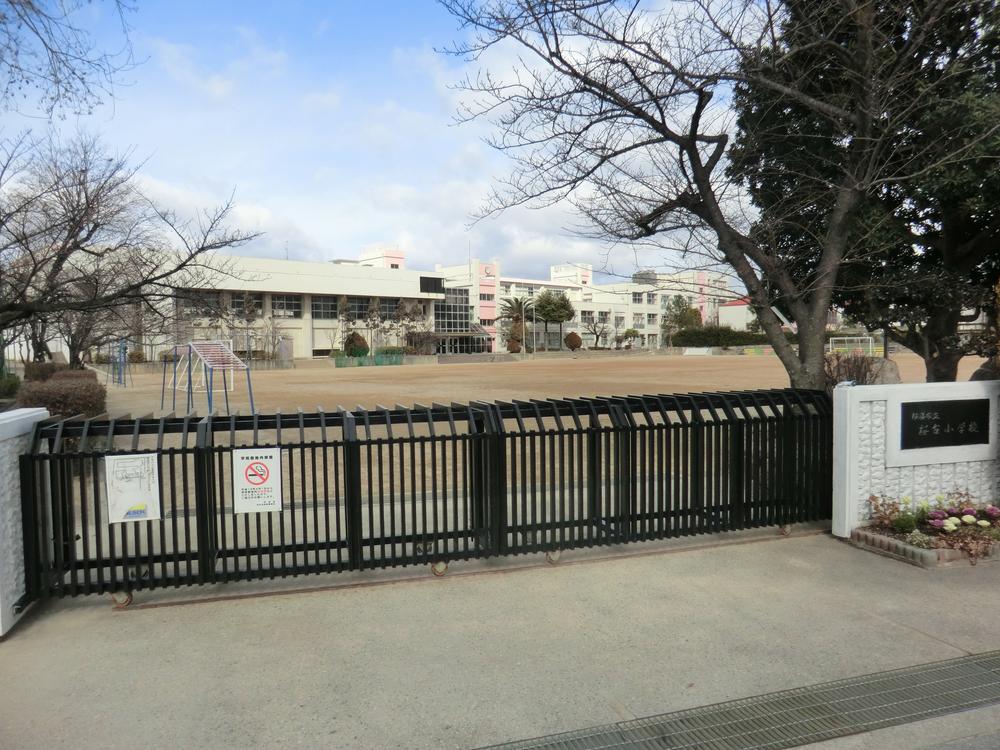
x: 257, y: 480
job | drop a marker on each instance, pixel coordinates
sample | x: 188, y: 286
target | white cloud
x: 326, y: 100
x: 177, y: 60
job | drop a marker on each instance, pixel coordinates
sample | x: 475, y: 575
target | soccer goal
x: 853, y: 345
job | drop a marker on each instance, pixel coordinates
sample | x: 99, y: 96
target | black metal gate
x: 398, y: 486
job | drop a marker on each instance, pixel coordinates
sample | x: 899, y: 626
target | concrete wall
x: 868, y: 460
x: 736, y: 316
x: 15, y: 434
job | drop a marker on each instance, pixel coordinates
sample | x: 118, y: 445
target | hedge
x: 719, y: 336
x: 9, y: 384
x: 65, y: 397
x: 40, y: 371
x: 75, y: 375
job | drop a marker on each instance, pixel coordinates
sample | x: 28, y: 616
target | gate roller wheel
x: 439, y: 568
x: 121, y: 599
x: 552, y: 556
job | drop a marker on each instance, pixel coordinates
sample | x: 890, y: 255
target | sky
x: 332, y: 123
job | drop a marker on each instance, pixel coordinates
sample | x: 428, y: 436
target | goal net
x: 852, y: 345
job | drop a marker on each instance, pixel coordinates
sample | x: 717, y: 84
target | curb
x: 925, y: 558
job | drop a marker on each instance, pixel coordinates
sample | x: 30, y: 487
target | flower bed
x: 950, y: 522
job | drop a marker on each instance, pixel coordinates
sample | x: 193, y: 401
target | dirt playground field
x: 317, y: 383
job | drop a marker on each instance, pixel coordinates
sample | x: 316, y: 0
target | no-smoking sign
x: 256, y: 480
x: 256, y: 473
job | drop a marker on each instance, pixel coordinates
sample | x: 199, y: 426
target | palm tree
x: 516, y: 310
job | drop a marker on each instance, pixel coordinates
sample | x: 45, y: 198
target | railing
x: 397, y: 486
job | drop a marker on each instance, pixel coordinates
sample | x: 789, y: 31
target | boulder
x: 884, y: 371
x: 988, y: 370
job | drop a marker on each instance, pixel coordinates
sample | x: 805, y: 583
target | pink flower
x: 952, y: 511
x: 992, y: 511
x: 937, y: 515
x: 937, y: 523
x: 968, y: 511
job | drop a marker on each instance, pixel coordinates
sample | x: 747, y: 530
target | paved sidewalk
x: 471, y: 660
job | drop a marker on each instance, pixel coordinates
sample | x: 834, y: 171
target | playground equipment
x: 119, y: 368
x: 194, y: 366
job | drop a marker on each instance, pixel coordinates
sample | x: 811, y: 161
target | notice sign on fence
x: 133, y: 486
x: 256, y: 480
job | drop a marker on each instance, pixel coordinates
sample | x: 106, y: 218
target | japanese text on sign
x: 256, y: 480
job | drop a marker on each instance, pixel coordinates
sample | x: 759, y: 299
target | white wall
x: 737, y: 317
x: 15, y: 434
x: 867, y: 459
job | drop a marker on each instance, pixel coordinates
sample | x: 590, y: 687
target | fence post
x: 625, y: 481
x: 698, y: 466
x: 204, y: 502
x: 352, y: 491
x: 594, y: 474
x: 496, y: 449
x: 29, y: 521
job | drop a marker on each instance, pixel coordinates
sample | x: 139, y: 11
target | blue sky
x: 333, y: 123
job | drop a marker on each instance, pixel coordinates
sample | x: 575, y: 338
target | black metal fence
x: 397, y: 486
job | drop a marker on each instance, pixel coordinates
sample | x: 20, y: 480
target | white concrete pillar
x: 845, y: 515
x: 15, y: 437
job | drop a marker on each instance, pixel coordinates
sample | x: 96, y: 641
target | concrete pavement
x: 469, y: 660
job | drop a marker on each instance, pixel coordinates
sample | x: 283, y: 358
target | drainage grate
x: 791, y: 718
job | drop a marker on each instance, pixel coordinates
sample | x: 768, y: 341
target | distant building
x: 309, y: 307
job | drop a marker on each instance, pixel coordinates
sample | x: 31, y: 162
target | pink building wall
x: 488, y: 273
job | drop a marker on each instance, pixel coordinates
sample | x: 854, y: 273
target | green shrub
x: 904, y: 523
x: 390, y: 350
x: 102, y: 359
x: 9, y: 384
x: 137, y: 356
x: 169, y: 355
x: 355, y: 345
x: 40, y: 371
x: 513, y: 346
x: 75, y: 375
x: 65, y: 397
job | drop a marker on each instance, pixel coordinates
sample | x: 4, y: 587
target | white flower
x: 969, y: 519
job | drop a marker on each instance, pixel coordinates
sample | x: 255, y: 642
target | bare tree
x: 78, y: 235
x: 617, y: 109
x: 48, y: 60
x: 596, y: 328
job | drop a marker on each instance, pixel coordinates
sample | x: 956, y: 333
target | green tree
x: 630, y: 335
x: 554, y: 307
x: 565, y: 312
x: 678, y: 316
x: 910, y: 237
x: 546, y: 309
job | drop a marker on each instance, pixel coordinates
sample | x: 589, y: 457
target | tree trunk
x: 560, y: 335
x: 942, y: 368
x: 811, y: 372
